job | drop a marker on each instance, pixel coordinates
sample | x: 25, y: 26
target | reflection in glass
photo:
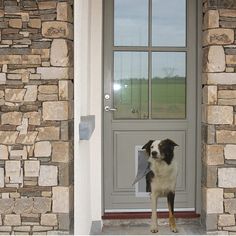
x: 131, y: 22
x: 168, y: 85
x: 169, y: 23
x: 130, y: 85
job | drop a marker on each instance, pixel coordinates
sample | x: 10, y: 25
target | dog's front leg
x: 154, y: 227
x: 170, y: 199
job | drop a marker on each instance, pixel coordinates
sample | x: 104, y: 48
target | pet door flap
x: 143, y: 166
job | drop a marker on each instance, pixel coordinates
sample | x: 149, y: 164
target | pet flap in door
x: 143, y: 166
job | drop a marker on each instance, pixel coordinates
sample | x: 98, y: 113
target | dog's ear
x: 171, y: 143
x: 167, y: 150
x: 147, y: 146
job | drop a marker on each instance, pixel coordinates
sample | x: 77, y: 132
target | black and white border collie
x: 161, y: 180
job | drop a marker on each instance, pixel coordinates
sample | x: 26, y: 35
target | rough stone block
x: 48, y: 89
x: 211, y: 222
x: 42, y: 149
x: 31, y: 93
x: 54, y: 73
x: 220, y: 115
x: 231, y: 59
x: 23, y: 205
x: 48, y: 133
x: 38, y: 228
x: 214, y: 200
x: 214, y: 59
x: 25, y: 229
x: 64, y: 221
x: 64, y: 12
x: 230, y: 152
x: 15, y: 23
x: 47, y: 5
x: 5, y: 230
x: 219, y: 78
x: 35, y: 23
x: 227, y: 12
x: 11, y: 118
x: 8, y: 137
x: 13, y: 168
x: 11, y: 59
x: 227, y: 102
x: 1, y: 177
x: 57, y: 29
x: 210, y: 95
x: 31, y: 168
x: 226, y: 220
x: 48, y: 176
x: 44, y: 53
x: 60, y: 152
x: 65, y: 174
x: 56, y: 110
x: 27, y: 139
x: 59, y: 53
x: 218, y: 36
x: 211, y: 19
x: 209, y: 176
x: 66, y: 90
x: 226, y: 136
x: 49, y: 219
x: 35, y: 76
x: 230, y: 229
x: 3, y: 78
x: 228, y: 195
x: 230, y: 205
x: 3, y: 152
x: 31, y: 59
x: 12, y: 220
x: 60, y: 200
x: 14, y: 95
x: 227, y: 94
x: 214, y: 154
x: 227, y: 177
x: 6, y: 206
x: 47, y: 97
x: 42, y: 205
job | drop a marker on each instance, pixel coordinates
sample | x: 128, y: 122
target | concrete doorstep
x: 142, y: 227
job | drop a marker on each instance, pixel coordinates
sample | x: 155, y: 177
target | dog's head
x: 161, y: 149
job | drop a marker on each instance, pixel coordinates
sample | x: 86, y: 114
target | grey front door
x: 149, y: 93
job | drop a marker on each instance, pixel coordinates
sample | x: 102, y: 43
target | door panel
x: 130, y: 85
x: 169, y: 85
x: 127, y: 30
x: 150, y: 87
x: 169, y: 23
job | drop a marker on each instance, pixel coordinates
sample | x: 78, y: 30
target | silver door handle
x: 107, y: 108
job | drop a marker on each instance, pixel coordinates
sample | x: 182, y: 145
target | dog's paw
x: 154, y: 229
x: 174, y: 230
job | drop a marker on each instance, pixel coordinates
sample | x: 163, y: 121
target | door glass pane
x: 131, y: 85
x: 168, y: 85
x: 169, y: 23
x: 131, y: 22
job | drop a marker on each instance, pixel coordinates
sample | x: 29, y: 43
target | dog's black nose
x: 154, y: 153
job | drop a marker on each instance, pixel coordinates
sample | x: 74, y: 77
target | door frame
x: 96, y: 201
x: 198, y: 19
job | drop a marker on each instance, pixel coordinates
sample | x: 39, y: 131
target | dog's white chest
x: 165, y: 176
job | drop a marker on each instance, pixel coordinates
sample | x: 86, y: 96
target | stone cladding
x: 36, y: 117
x: 219, y: 116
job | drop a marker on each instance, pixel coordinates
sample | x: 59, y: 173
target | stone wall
x: 36, y: 116
x: 219, y: 116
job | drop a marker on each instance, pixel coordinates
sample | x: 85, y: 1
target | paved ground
x: 142, y: 227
